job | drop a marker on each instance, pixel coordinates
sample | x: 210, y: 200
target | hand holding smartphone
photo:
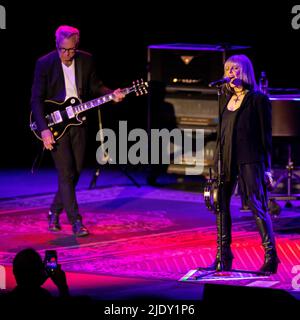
x: 51, y: 264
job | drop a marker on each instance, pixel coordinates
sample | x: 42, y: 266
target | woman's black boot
x: 223, y: 261
x: 224, y: 264
x: 271, y: 260
x: 270, y: 264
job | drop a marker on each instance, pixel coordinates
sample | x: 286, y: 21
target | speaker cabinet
x: 195, y: 110
x: 184, y: 109
x: 189, y: 65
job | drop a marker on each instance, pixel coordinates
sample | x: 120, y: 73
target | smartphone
x: 51, y: 260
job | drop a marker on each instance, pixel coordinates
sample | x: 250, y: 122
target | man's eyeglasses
x: 70, y: 50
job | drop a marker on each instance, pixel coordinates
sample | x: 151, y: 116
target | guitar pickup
x: 56, y: 117
x: 70, y: 112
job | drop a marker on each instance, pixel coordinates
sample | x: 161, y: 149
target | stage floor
x: 143, y: 240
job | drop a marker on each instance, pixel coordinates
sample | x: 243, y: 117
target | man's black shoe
x: 53, y: 220
x: 79, y: 229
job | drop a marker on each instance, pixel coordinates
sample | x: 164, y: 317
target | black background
x: 118, y: 35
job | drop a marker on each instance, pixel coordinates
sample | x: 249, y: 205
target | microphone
x: 219, y: 82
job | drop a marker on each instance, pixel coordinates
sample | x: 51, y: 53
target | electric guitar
x: 60, y: 116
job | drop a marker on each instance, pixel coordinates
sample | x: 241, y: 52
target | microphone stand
x: 220, y: 185
x: 220, y: 182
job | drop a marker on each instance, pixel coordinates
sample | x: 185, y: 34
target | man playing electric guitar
x: 64, y: 73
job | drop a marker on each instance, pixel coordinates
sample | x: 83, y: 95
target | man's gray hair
x: 63, y: 32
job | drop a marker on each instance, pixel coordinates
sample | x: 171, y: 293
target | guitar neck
x: 98, y: 101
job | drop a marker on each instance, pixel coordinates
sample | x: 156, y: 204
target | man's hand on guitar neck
x: 119, y: 95
x: 48, y: 139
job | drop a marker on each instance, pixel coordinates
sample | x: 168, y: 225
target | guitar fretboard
x: 97, y: 102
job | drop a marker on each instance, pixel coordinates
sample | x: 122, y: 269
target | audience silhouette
x: 30, y: 274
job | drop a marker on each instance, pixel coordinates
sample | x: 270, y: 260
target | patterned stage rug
x: 144, y: 232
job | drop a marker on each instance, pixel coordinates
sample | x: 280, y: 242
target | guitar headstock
x: 140, y: 87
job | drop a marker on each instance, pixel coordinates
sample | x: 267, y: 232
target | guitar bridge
x: 56, y: 117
